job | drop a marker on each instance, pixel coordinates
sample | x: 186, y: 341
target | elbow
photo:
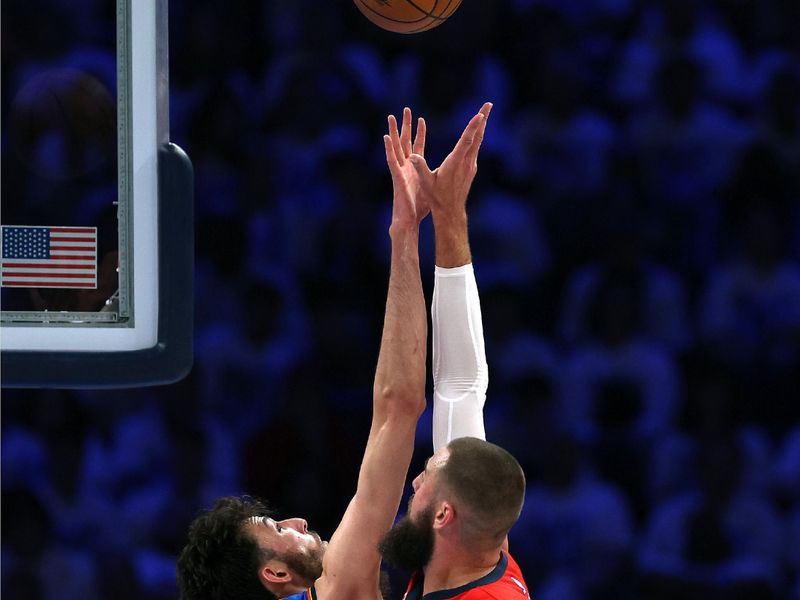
x: 405, y: 401
x: 454, y: 388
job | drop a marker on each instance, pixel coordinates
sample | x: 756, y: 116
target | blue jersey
x: 309, y: 594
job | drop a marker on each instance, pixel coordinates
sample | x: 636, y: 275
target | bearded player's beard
x: 409, y: 544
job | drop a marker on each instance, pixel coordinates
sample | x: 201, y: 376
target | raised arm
x: 351, y: 564
x: 460, y: 371
x: 446, y: 190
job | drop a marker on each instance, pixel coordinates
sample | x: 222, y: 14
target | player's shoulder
x: 511, y: 586
x: 309, y: 594
x: 507, y: 589
x: 326, y: 588
x: 514, y: 578
x: 497, y: 591
x: 512, y: 568
x: 505, y: 583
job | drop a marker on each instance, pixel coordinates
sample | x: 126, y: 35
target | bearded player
x: 454, y: 537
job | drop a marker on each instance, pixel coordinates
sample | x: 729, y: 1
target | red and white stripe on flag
x: 49, y: 257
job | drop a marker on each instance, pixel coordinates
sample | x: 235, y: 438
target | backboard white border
x: 143, y: 208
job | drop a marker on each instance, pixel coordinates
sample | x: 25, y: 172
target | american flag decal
x: 49, y: 257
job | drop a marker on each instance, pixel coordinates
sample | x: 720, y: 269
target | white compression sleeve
x: 460, y: 372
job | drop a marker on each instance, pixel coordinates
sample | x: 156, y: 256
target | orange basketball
x: 407, y: 16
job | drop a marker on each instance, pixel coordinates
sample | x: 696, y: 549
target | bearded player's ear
x: 445, y: 515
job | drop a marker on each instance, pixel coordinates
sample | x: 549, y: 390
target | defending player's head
x: 488, y: 484
x: 235, y: 550
x: 470, y: 494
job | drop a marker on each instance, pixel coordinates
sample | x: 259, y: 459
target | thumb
x: 418, y: 161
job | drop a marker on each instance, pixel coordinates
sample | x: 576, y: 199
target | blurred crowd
x: 635, y: 227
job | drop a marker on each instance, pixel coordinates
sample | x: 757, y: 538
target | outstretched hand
x: 445, y: 189
x: 409, y: 206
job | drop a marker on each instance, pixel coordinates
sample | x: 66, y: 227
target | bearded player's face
x: 424, y: 484
x: 409, y: 544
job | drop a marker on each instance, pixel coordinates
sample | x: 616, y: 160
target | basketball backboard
x: 97, y: 213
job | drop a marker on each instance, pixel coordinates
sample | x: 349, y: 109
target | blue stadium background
x: 635, y: 231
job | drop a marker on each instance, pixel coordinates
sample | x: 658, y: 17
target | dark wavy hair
x: 220, y: 561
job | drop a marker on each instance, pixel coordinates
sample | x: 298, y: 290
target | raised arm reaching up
x: 351, y: 564
x: 470, y: 493
x: 237, y: 550
x: 460, y: 371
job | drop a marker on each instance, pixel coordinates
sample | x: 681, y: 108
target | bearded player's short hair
x: 487, y: 483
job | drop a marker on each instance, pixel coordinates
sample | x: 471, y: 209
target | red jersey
x: 504, y: 582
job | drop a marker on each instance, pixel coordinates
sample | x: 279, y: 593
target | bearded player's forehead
x: 438, y: 459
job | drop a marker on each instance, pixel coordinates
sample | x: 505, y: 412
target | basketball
x: 407, y: 16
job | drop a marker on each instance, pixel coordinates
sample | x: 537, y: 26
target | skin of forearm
x: 400, y: 374
x: 452, y: 239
